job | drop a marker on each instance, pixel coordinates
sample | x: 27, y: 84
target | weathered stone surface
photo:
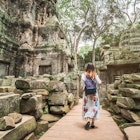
x: 7, y: 89
x: 110, y: 86
x: 127, y: 78
x: 23, y: 128
x: 9, y: 102
x: 133, y: 78
x: 30, y: 137
x: 16, y: 117
x: 126, y: 102
x: 70, y: 98
x: 51, y: 124
x: 6, y: 123
x: 59, y: 109
x: 136, y: 86
x: 42, y: 92
x: 71, y: 86
x: 25, y: 84
x: 59, y: 77
x: 115, y: 108
x: 130, y: 92
x: 116, y: 84
x: 50, y: 118
x: 119, y: 119
x: 111, y: 97
x: 35, y: 30
x: 36, y: 113
x: 31, y: 104
x: 105, y: 103
x: 18, y: 91
x: 58, y: 98
x: 113, y: 92
x: 132, y: 133
x: 130, y: 115
x: 22, y: 84
x: 71, y: 105
x: 38, y: 84
x: 125, y: 125
x: 27, y: 96
x: 7, y: 82
x: 42, y: 126
x: 136, y: 78
x: 56, y: 86
x: 50, y: 77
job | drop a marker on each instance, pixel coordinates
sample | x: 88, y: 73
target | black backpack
x: 90, y: 86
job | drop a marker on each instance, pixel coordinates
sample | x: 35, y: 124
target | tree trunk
x: 76, y: 43
x: 93, y: 51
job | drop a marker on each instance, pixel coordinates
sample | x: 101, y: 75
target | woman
x: 90, y: 107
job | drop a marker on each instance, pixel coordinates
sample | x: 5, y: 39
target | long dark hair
x: 89, y: 67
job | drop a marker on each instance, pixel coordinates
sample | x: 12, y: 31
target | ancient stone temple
x: 36, y: 89
x: 122, y: 59
x: 31, y: 41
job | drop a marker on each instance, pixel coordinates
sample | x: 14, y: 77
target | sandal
x: 92, y: 126
x: 87, y: 125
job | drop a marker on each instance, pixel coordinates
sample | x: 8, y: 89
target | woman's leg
x: 92, y: 123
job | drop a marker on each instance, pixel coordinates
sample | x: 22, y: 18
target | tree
x: 130, y: 10
x: 101, y: 16
x: 72, y: 16
x: 91, y: 17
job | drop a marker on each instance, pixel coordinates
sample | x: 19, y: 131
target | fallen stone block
x: 50, y: 118
x: 30, y: 137
x: 22, y: 129
x: 60, y: 110
x: 9, y: 102
x: 6, y: 123
x: 42, y: 126
x: 58, y: 98
x: 16, y: 117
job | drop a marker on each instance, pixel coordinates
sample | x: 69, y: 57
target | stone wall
x: 45, y: 97
x: 130, y: 40
x: 8, y: 44
x: 31, y: 41
x: 123, y: 100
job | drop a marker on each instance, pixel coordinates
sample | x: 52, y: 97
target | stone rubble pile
x: 47, y: 98
x: 123, y: 101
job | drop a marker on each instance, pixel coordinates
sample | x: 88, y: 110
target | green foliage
x: 84, y: 50
x: 45, y: 110
x: 86, y: 53
x: 72, y: 15
x: 88, y: 57
x: 102, y: 16
x: 111, y: 39
x: 138, y: 25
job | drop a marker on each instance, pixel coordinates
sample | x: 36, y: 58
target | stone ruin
x: 31, y: 39
x: 123, y: 102
x: 36, y: 89
x: 122, y: 59
x: 30, y: 106
x: 120, y: 72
